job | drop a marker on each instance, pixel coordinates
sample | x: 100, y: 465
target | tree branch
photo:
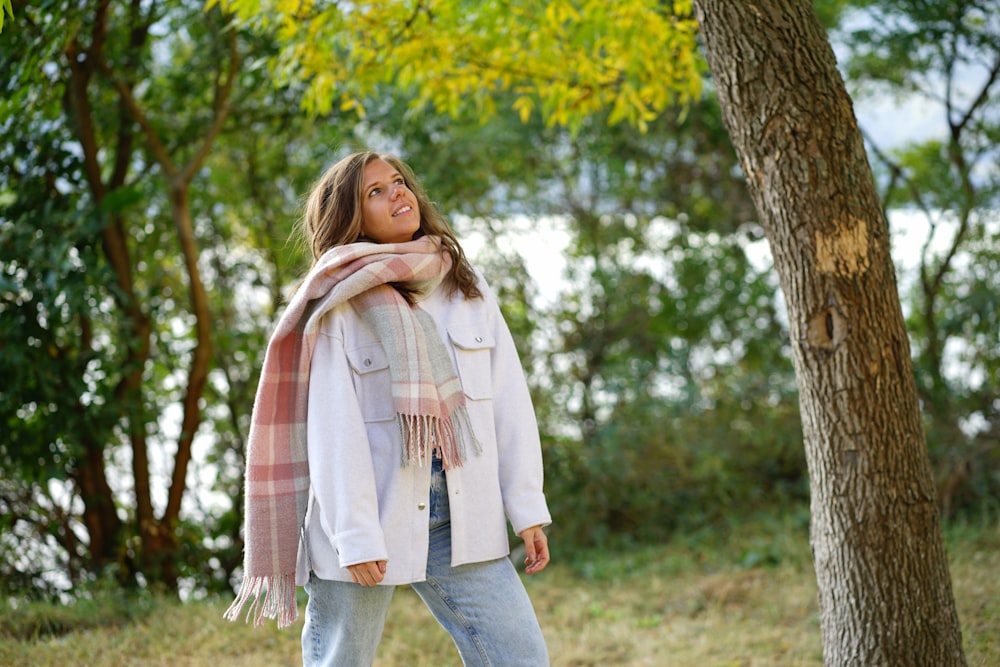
x: 220, y: 110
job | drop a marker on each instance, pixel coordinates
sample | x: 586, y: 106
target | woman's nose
x: 398, y: 189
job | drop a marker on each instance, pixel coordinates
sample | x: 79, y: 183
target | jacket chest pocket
x: 372, y: 382
x: 474, y: 359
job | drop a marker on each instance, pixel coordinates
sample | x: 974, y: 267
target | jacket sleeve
x: 519, y: 449
x: 340, y: 460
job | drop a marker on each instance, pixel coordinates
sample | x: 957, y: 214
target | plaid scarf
x: 426, y: 394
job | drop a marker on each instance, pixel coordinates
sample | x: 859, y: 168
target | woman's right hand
x: 368, y: 574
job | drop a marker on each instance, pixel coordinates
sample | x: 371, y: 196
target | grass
x: 741, y: 597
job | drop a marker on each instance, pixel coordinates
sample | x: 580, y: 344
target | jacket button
x: 422, y: 506
x: 368, y: 362
x: 479, y: 339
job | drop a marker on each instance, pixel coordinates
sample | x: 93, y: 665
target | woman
x: 393, y: 425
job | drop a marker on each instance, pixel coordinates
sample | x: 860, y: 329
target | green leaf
x: 6, y: 7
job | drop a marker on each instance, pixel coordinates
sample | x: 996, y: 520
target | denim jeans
x: 483, y: 606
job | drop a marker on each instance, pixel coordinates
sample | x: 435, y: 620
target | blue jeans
x: 483, y: 606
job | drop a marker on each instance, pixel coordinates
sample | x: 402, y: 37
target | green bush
x: 105, y: 605
x: 655, y: 469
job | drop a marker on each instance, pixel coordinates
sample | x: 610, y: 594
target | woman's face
x: 389, y: 210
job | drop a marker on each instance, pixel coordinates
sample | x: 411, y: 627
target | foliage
x: 566, y: 60
x: 99, y: 290
x: 683, y: 358
x: 59, y: 368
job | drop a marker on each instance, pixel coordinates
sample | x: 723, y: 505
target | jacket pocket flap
x: 471, y: 338
x: 368, y: 359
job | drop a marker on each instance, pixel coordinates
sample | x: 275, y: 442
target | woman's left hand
x: 536, y: 546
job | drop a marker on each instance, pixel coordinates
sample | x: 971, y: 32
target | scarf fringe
x: 278, y: 601
x: 421, y: 433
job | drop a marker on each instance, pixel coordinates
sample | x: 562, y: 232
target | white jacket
x: 364, y: 504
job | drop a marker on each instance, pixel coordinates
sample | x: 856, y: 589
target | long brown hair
x: 332, y: 216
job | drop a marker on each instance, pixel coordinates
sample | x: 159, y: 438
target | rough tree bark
x: 885, y: 593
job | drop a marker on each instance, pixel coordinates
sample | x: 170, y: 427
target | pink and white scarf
x: 426, y: 394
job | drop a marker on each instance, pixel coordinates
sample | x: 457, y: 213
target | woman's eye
x: 373, y: 192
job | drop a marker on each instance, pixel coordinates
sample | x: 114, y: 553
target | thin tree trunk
x: 159, y: 544
x: 100, y: 516
x: 201, y: 356
x: 884, y: 589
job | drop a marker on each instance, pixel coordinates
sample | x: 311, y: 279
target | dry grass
x: 672, y: 605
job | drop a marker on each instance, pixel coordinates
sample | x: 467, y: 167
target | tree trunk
x: 884, y: 590
x: 104, y: 527
x: 99, y: 513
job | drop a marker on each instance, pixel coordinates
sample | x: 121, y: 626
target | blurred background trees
x: 151, y: 172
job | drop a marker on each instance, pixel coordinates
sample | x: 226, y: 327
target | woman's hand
x: 536, y: 547
x: 367, y: 574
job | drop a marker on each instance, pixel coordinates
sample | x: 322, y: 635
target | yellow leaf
x: 523, y: 106
x: 570, y: 58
